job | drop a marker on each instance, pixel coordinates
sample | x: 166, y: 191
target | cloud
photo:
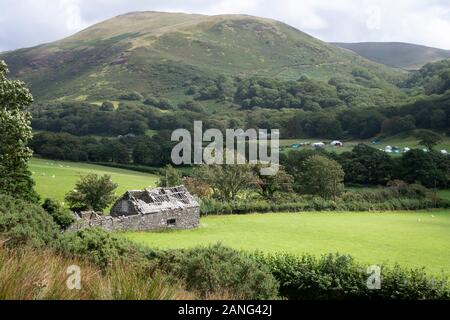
x: 30, y: 22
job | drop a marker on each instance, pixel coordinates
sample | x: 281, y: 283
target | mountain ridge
x: 403, y: 55
x: 155, y: 53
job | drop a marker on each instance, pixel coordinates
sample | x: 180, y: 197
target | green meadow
x: 413, y: 239
x: 55, y: 178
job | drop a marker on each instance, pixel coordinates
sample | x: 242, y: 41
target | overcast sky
x: 25, y: 23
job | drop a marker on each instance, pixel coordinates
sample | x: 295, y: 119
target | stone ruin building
x: 144, y: 210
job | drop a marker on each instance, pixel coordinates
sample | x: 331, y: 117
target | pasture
x: 412, y: 239
x: 55, y: 178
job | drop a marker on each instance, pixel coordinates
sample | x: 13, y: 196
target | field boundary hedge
x: 214, y: 207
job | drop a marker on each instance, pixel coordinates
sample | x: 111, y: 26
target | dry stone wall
x: 183, y: 218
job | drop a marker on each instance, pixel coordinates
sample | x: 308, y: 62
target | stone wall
x: 186, y: 218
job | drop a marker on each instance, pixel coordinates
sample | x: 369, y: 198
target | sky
x: 25, y: 23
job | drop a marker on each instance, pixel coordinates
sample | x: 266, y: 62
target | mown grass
x: 413, y: 239
x: 55, y: 178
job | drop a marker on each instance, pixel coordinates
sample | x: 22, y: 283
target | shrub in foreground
x: 306, y: 277
x: 100, y: 247
x: 411, y: 284
x: 25, y: 223
x: 62, y: 216
x: 30, y: 274
x: 219, y: 270
x: 336, y: 276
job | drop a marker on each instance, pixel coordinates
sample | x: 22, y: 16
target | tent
x: 336, y: 143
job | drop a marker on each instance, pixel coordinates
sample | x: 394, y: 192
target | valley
x: 363, y: 176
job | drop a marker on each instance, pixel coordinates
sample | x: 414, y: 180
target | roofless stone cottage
x: 144, y: 210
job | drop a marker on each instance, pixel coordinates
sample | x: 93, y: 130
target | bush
x: 349, y: 201
x: 100, y: 247
x: 306, y: 277
x: 62, y: 217
x: 218, y: 270
x: 132, y: 96
x: 336, y: 276
x: 25, y: 223
x: 411, y: 284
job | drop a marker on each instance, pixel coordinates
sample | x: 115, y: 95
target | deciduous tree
x: 92, y: 192
x: 15, y: 132
x: 322, y: 176
x: 228, y: 181
x: 428, y: 138
x: 171, y: 177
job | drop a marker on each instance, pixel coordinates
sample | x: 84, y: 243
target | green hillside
x: 396, y: 54
x: 54, y: 179
x: 155, y: 54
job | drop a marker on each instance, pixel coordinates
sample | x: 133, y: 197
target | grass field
x: 55, y: 178
x: 410, y: 238
x: 398, y: 141
x: 445, y: 194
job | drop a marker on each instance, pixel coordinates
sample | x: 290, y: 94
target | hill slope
x: 396, y: 54
x: 155, y: 53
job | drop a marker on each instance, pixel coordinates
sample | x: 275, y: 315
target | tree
x: 322, y: 176
x: 398, y: 124
x: 15, y: 131
x: 367, y: 165
x: 431, y: 169
x: 428, y: 138
x: 294, y: 162
x: 171, y: 178
x: 227, y: 181
x: 92, y: 192
x: 268, y: 185
x: 107, y: 106
x: 361, y: 123
x: 118, y: 151
x: 197, y: 187
x: 132, y: 96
